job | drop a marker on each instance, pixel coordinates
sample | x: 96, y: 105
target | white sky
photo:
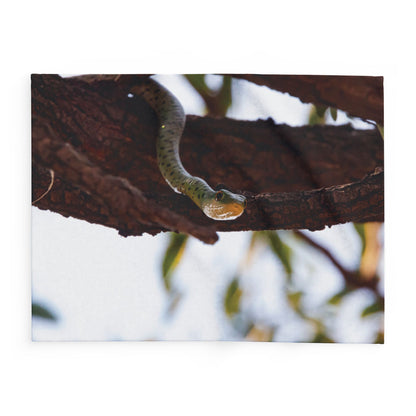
x: 106, y: 287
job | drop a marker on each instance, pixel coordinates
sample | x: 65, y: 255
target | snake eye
x: 219, y: 195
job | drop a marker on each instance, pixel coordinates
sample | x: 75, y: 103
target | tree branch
x: 293, y: 177
x: 122, y: 200
x: 352, y: 279
x: 357, y: 95
x: 360, y: 201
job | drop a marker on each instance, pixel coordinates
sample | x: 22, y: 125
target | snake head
x: 224, y: 205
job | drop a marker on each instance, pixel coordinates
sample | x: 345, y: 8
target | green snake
x: 218, y: 205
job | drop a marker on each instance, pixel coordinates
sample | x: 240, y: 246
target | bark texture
x: 101, y: 145
x: 359, y: 96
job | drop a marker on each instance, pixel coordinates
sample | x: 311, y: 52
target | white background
x: 206, y: 378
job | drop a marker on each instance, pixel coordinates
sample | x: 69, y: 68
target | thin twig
x: 353, y: 279
x: 52, y: 173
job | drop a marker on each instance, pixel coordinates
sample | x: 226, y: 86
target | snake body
x: 219, y: 205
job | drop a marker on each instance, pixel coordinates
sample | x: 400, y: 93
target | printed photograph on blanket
x: 237, y: 207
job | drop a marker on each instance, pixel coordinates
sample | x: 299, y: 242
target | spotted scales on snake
x: 218, y: 205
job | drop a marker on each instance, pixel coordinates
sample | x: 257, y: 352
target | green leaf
x: 336, y: 299
x: 381, y: 130
x: 224, y: 95
x: 232, y: 298
x: 260, y: 333
x: 198, y: 82
x: 172, y: 257
x: 373, y: 308
x: 174, y: 301
x: 379, y: 338
x: 317, y: 115
x: 217, y: 101
x: 361, y: 233
x: 39, y: 311
x: 321, y: 337
x: 320, y: 110
x: 294, y: 299
x: 334, y: 113
x: 282, y: 251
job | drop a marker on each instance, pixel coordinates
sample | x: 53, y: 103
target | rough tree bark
x: 359, y: 96
x: 101, y: 145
